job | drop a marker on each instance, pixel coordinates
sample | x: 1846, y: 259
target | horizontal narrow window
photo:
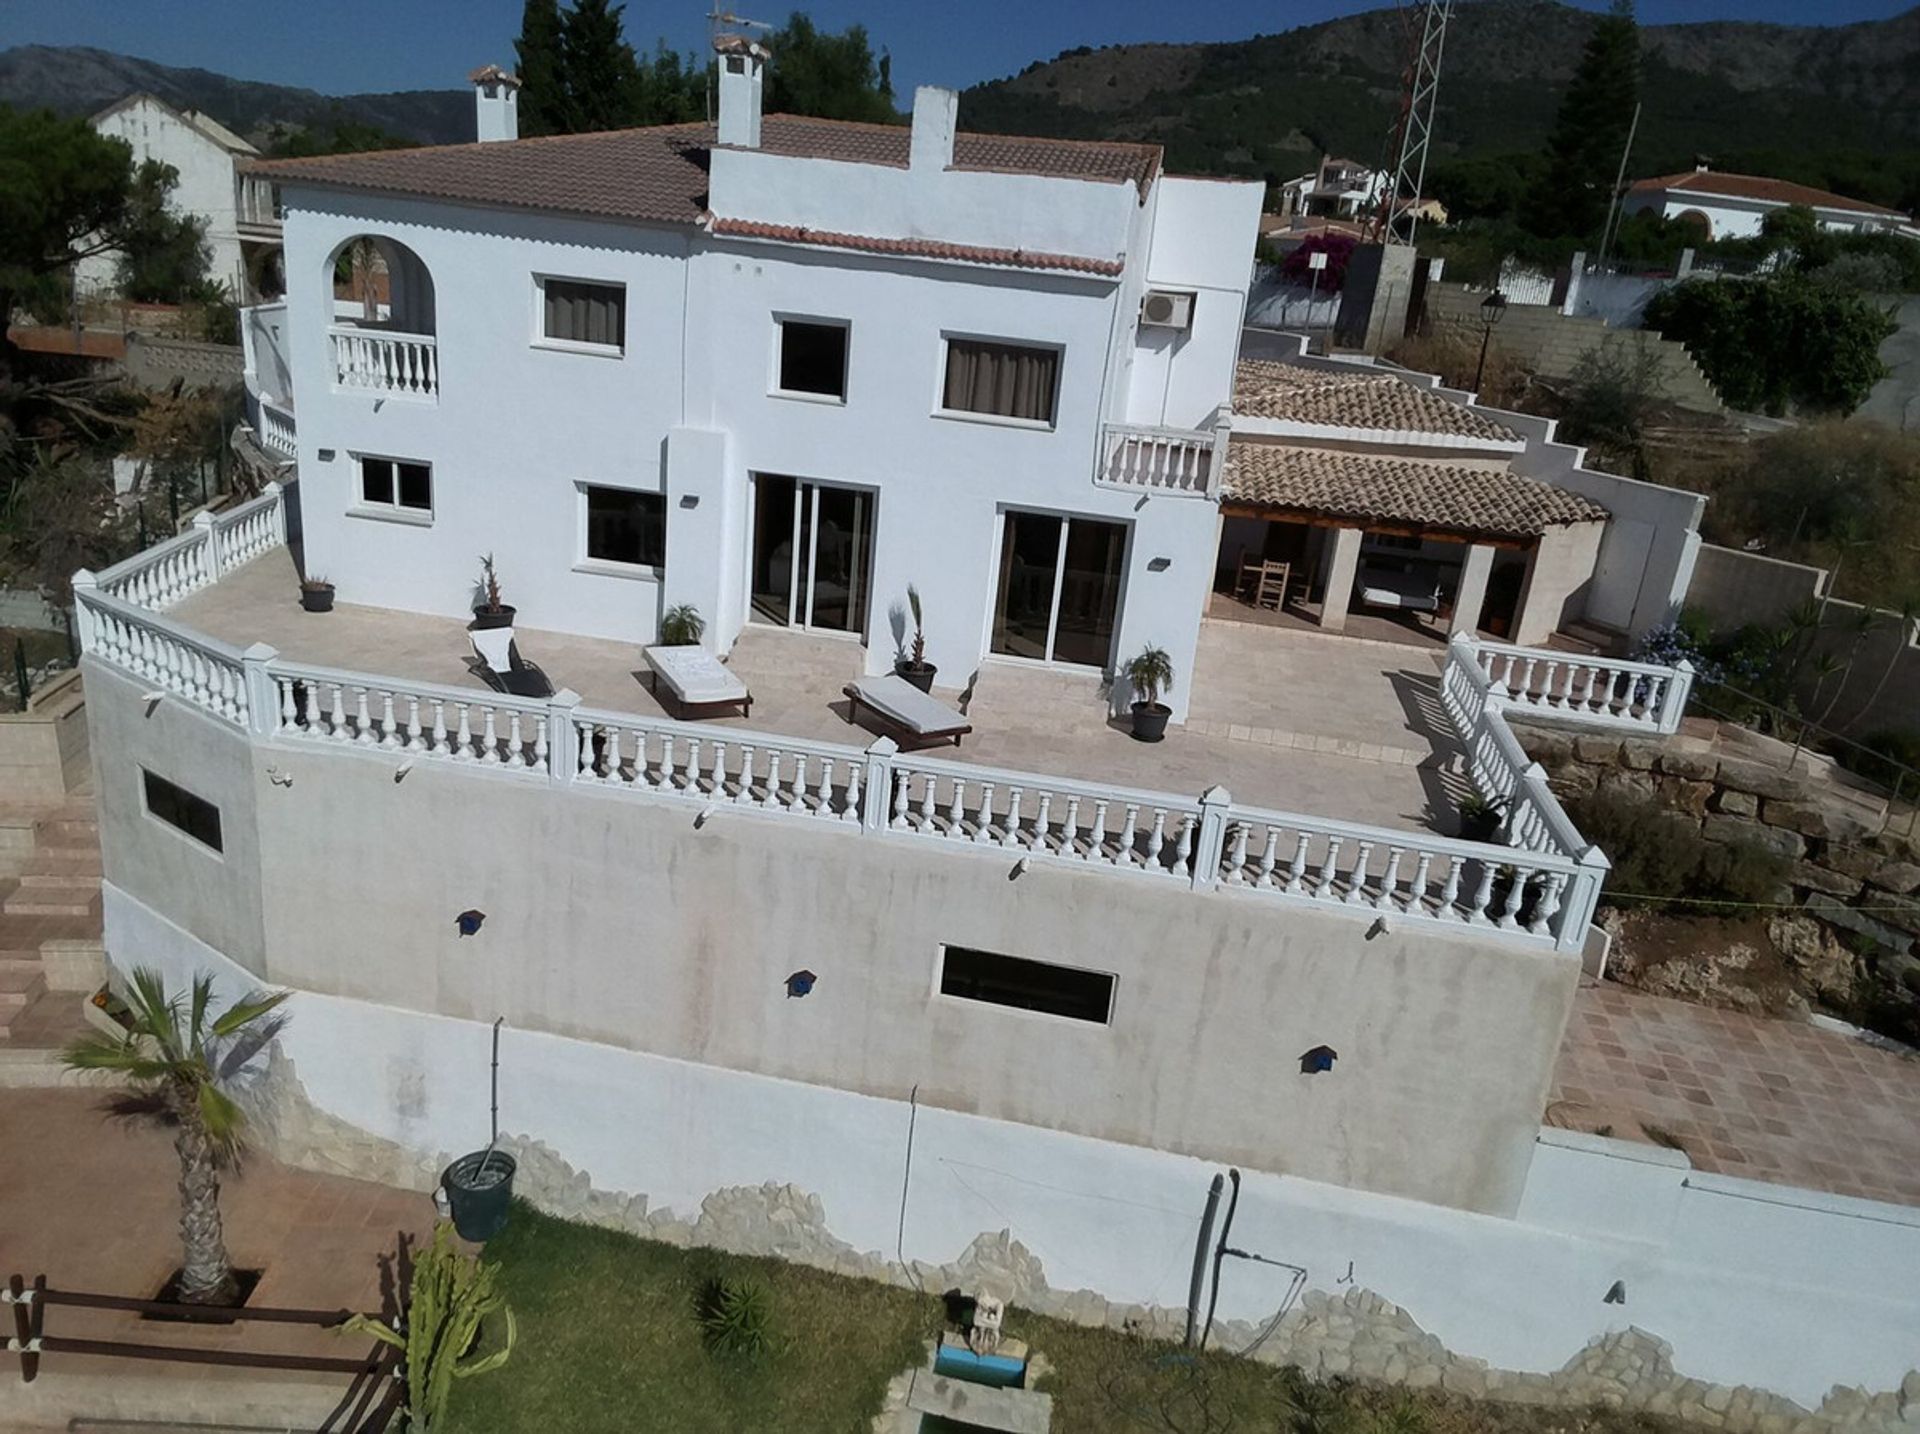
x: 1006, y: 380
x: 813, y: 358
x: 581, y: 313
x: 178, y: 807
x: 1026, y: 985
x: 396, y: 483
x: 626, y: 527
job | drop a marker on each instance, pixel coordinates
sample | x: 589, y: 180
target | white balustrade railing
x: 755, y: 770
x: 203, y: 671
x: 319, y: 704
x: 158, y: 577
x: 1643, y: 696
x: 1165, y: 460
x: 242, y: 534
x: 386, y: 362
x: 277, y: 433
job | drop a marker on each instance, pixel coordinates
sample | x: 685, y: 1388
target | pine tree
x: 543, y: 96
x: 1583, y: 152
x: 832, y: 76
x: 601, y: 74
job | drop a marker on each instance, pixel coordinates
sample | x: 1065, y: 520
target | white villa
x: 243, y: 224
x: 1046, y: 981
x: 1735, y: 206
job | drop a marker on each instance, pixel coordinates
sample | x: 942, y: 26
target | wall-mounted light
x: 689, y: 500
x: 1159, y: 565
x: 326, y: 455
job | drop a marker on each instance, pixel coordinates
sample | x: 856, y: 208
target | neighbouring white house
x: 1044, y: 983
x: 1735, y: 206
x: 242, y: 219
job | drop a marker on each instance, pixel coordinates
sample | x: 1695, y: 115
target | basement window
x: 813, y: 358
x: 178, y: 807
x: 1069, y: 991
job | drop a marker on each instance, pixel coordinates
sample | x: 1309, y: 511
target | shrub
x: 1339, y: 251
x: 1615, y: 385
x: 735, y: 1315
x: 1658, y: 853
x: 1777, y: 343
x: 682, y: 626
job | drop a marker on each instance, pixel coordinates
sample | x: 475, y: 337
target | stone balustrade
x: 385, y: 362
x: 1163, y: 460
x: 1539, y: 882
x: 277, y: 431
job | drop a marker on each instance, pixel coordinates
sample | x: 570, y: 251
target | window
x: 575, y: 312
x: 625, y: 527
x: 1006, y: 380
x: 396, y: 483
x: 178, y: 807
x: 813, y: 358
x: 1026, y: 985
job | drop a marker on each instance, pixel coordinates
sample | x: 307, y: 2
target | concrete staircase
x: 51, y: 956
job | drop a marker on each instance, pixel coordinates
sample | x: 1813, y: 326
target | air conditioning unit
x: 1166, y: 309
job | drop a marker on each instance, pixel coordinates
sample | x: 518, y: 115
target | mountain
x: 1270, y: 105
x: 74, y: 80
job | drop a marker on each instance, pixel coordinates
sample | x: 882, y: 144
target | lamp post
x: 1493, y: 309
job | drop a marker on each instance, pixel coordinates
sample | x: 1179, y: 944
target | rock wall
x: 1353, y: 1333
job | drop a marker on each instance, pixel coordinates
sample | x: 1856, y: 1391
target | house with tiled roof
x: 1735, y: 206
x: 777, y: 369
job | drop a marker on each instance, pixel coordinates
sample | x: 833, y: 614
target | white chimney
x: 935, y: 112
x: 496, y: 104
x: 743, y: 64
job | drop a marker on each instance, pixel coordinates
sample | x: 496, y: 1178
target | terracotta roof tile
x: 1373, y: 487
x: 1292, y: 393
x: 1756, y: 186
x: 659, y: 175
x: 919, y: 248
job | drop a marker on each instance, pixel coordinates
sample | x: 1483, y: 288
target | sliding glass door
x: 1059, y: 589
x: 812, y: 554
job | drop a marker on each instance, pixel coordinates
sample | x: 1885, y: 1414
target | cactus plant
x: 450, y: 1297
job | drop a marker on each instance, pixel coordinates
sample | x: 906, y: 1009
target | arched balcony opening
x: 382, y: 328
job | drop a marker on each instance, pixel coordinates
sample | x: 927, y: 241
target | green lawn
x: 608, y: 1341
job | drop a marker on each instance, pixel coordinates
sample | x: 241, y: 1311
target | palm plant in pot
x: 682, y: 626
x: 181, y: 1061
x: 488, y: 610
x: 1480, y: 816
x: 316, y: 594
x: 1150, y: 674
x: 915, y: 667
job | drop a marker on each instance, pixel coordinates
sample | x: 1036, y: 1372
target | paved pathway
x: 1762, y: 1099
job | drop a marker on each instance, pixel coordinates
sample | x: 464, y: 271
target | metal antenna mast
x: 1395, y: 220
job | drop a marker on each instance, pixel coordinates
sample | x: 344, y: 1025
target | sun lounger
x: 497, y: 659
x: 905, y: 709
x: 695, y: 679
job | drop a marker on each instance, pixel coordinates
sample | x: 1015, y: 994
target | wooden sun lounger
x: 906, y: 710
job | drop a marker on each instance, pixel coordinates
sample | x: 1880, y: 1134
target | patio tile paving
x: 1782, y: 1101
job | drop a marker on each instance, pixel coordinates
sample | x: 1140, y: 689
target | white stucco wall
x: 1760, y: 1285
x: 1735, y: 218
x: 207, y: 187
x: 611, y: 918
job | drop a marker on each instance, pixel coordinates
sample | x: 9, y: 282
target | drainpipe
x: 1200, y: 1257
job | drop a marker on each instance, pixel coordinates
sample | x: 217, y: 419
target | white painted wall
x: 1202, y: 244
x: 208, y: 187
x: 1766, y: 1286
x: 1735, y: 218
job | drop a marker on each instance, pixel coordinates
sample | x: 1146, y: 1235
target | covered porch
x: 1396, y: 548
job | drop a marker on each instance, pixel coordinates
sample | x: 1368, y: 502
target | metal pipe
x: 1220, y: 1254
x: 1200, y: 1256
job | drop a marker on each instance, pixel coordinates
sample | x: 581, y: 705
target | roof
x: 659, y: 175
x: 1378, y: 402
x: 919, y: 248
x: 1376, y: 487
x: 206, y: 125
x: 1756, y: 187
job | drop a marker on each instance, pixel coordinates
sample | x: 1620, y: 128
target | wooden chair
x: 1270, y: 590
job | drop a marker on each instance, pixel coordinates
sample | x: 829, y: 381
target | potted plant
x: 682, y: 626
x: 316, y: 595
x: 915, y: 667
x: 1150, y: 674
x: 488, y: 610
x: 1480, y: 816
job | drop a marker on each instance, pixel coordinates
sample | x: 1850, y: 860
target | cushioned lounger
x: 498, y: 661
x: 906, y: 709
x: 696, y: 679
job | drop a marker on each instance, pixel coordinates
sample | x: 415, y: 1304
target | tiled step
x: 20, y: 986
x: 64, y: 898
x: 67, y: 831
x: 44, y: 870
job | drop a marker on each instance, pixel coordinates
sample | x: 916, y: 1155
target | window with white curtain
x: 1003, y: 380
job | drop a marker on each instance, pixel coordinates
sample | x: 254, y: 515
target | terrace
x: 1353, y: 730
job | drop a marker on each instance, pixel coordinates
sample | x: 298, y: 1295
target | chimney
x: 934, y: 113
x: 496, y: 104
x: 743, y: 64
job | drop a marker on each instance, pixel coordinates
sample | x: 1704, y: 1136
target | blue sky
x: 341, y: 46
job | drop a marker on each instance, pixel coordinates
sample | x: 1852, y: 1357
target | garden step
x: 19, y: 984
x: 68, y: 831
x: 70, y: 899
x: 42, y: 870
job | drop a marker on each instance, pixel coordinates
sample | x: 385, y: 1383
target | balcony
x: 257, y: 215
x: 384, y: 363
x: 1186, y: 462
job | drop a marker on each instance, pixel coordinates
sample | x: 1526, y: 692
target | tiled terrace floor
x: 1781, y: 1101
x: 1302, y: 722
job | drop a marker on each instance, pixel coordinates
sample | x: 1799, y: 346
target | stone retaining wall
x: 1353, y: 1333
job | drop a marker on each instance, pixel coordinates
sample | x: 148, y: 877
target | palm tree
x: 180, y: 1058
